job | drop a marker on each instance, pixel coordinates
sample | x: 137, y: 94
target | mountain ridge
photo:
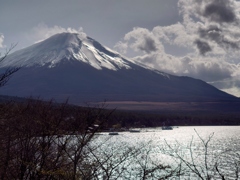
x: 66, y: 46
x: 79, y: 68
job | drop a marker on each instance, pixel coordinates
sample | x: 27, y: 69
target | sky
x: 196, y: 38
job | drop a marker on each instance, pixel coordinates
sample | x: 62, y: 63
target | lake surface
x: 189, y: 142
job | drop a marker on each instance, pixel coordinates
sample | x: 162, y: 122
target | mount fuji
x: 76, y: 67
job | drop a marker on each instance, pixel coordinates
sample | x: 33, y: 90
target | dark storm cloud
x: 148, y: 45
x: 220, y: 11
x: 228, y: 44
x: 203, y: 46
x: 141, y: 39
x: 218, y: 25
x: 214, y: 33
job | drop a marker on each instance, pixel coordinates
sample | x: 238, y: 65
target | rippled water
x: 223, y: 148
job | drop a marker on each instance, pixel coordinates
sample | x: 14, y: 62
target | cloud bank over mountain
x: 207, y: 39
x: 42, y: 31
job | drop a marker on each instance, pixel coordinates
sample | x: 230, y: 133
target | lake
x: 212, y: 151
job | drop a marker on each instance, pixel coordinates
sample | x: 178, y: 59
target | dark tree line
x: 174, y: 118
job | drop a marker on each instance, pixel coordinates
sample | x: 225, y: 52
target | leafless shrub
x: 200, y: 161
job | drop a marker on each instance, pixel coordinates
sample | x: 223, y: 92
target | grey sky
x: 104, y: 20
x: 196, y: 38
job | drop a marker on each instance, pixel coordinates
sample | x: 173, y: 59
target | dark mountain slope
x: 81, y: 69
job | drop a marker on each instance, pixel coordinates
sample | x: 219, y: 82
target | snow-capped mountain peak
x: 75, y: 67
x: 67, y: 46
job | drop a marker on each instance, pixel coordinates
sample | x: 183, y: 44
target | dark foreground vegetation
x: 49, y: 141
x: 44, y: 140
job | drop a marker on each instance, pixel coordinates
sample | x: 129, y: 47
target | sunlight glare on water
x: 223, y: 146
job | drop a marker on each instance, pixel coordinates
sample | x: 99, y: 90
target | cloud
x: 42, y: 32
x: 1, y: 40
x: 216, y: 21
x: 209, y: 34
x: 121, y: 46
x: 216, y: 34
x: 229, y: 85
x: 221, y: 11
x: 207, y: 69
x: 140, y: 39
x: 203, y: 46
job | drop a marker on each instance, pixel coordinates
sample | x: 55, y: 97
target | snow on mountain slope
x: 67, y: 46
x: 70, y: 66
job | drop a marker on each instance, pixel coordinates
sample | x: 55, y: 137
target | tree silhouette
x: 7, y: 73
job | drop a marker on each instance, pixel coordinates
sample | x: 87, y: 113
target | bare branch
x: 6, y: 75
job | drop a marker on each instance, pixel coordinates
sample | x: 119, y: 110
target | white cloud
x: 209, y: 33
x: 122, y: 47
x: 207, y: 69
x: 42, y: 32
x: 216, y: 22
x: 1, y: 41
x: 230, y: 85
x: 234, y: 90
x: 143, y: 40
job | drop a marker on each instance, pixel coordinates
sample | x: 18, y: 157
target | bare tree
x: 45, y: 140
x: 112, y: 159
x: 9, y: 71
x: 203, y: 161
